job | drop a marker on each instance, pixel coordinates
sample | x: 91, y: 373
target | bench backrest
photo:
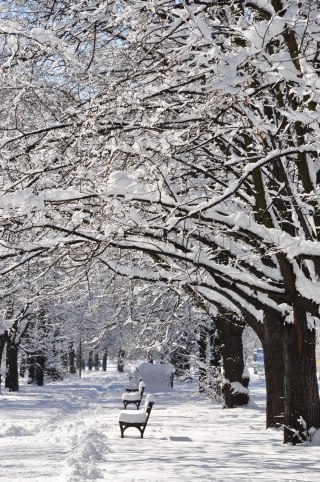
x: 142, y: 386
x: 148, y: 407
x: 149, y: 403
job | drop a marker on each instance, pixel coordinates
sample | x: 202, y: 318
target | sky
x: 68, y: 431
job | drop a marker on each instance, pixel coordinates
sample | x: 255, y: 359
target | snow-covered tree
x: 184, y: 130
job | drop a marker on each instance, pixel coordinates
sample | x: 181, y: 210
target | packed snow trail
x: 68, y: 432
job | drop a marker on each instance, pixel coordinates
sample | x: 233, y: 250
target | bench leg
x: 122, y: 427
x: 141, y: 431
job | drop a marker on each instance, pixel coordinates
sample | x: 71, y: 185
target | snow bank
x: 84, y: 445
x: 15, y: 431
x: 88, y: 449
x: 157, y: 377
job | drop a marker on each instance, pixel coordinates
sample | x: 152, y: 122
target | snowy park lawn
x: 68, y: 431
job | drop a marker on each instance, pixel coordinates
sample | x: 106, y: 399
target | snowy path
x: 69, y: 431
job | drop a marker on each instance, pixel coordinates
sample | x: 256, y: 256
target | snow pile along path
x: 88, y: 449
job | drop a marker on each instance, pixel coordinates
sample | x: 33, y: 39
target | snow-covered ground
x: 68, y: 431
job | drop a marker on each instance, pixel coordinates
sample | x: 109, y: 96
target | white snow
x: 133, y: 416
x: 21, y: 199
x: 131, y: 396
x: 155, y: 374
x: 68, y: 431
x: 237, y: 387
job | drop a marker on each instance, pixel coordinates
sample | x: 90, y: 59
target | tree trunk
x: 3, y: 341
x: 90, y: 360
x: 215, y: 363
x: 23, y: 366
x: 121, y: 355
x: 235, y: 386
x: 12, y: 376
x: 104, y: 361
x: 64, y: 360
x: 31, y: 363
x: 274, y: 371
x: 80, y: 360
x: 79, y: 357
x: 71, y: 359
x: 39, y: 370
x: 96, y: 362
x: 215, y: 348
x: 36, y: 364
x: 301, y: 395
x: 202, y: 344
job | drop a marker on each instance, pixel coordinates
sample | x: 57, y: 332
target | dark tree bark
x: 12, y: 375
x: 202, y: 344
x: 71, y: 359
x: 23, y: 367
x: 215, y: 378
x: 36, y: 367
x: 31, y: 361
x: 301, y: 395
x: 9, y: 337
x: 215, y: 348
x: 96, y: 362
x: 104, y: 360
x: 120, y: 365
x: 235, y: 387
x: 3, y: 341
x: 90, y: 360
x: 79, y: 358
x: 64, y: 360
x: 272, y: 343
x: 39, y: 370
x: 81, y: 364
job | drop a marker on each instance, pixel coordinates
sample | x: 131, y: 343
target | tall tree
x: 196, y: 141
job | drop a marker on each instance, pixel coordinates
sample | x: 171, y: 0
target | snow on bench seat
x: 139, y: 416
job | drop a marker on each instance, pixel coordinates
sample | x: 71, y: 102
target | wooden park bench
x: 134, y: 397
x: 139, y: 419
